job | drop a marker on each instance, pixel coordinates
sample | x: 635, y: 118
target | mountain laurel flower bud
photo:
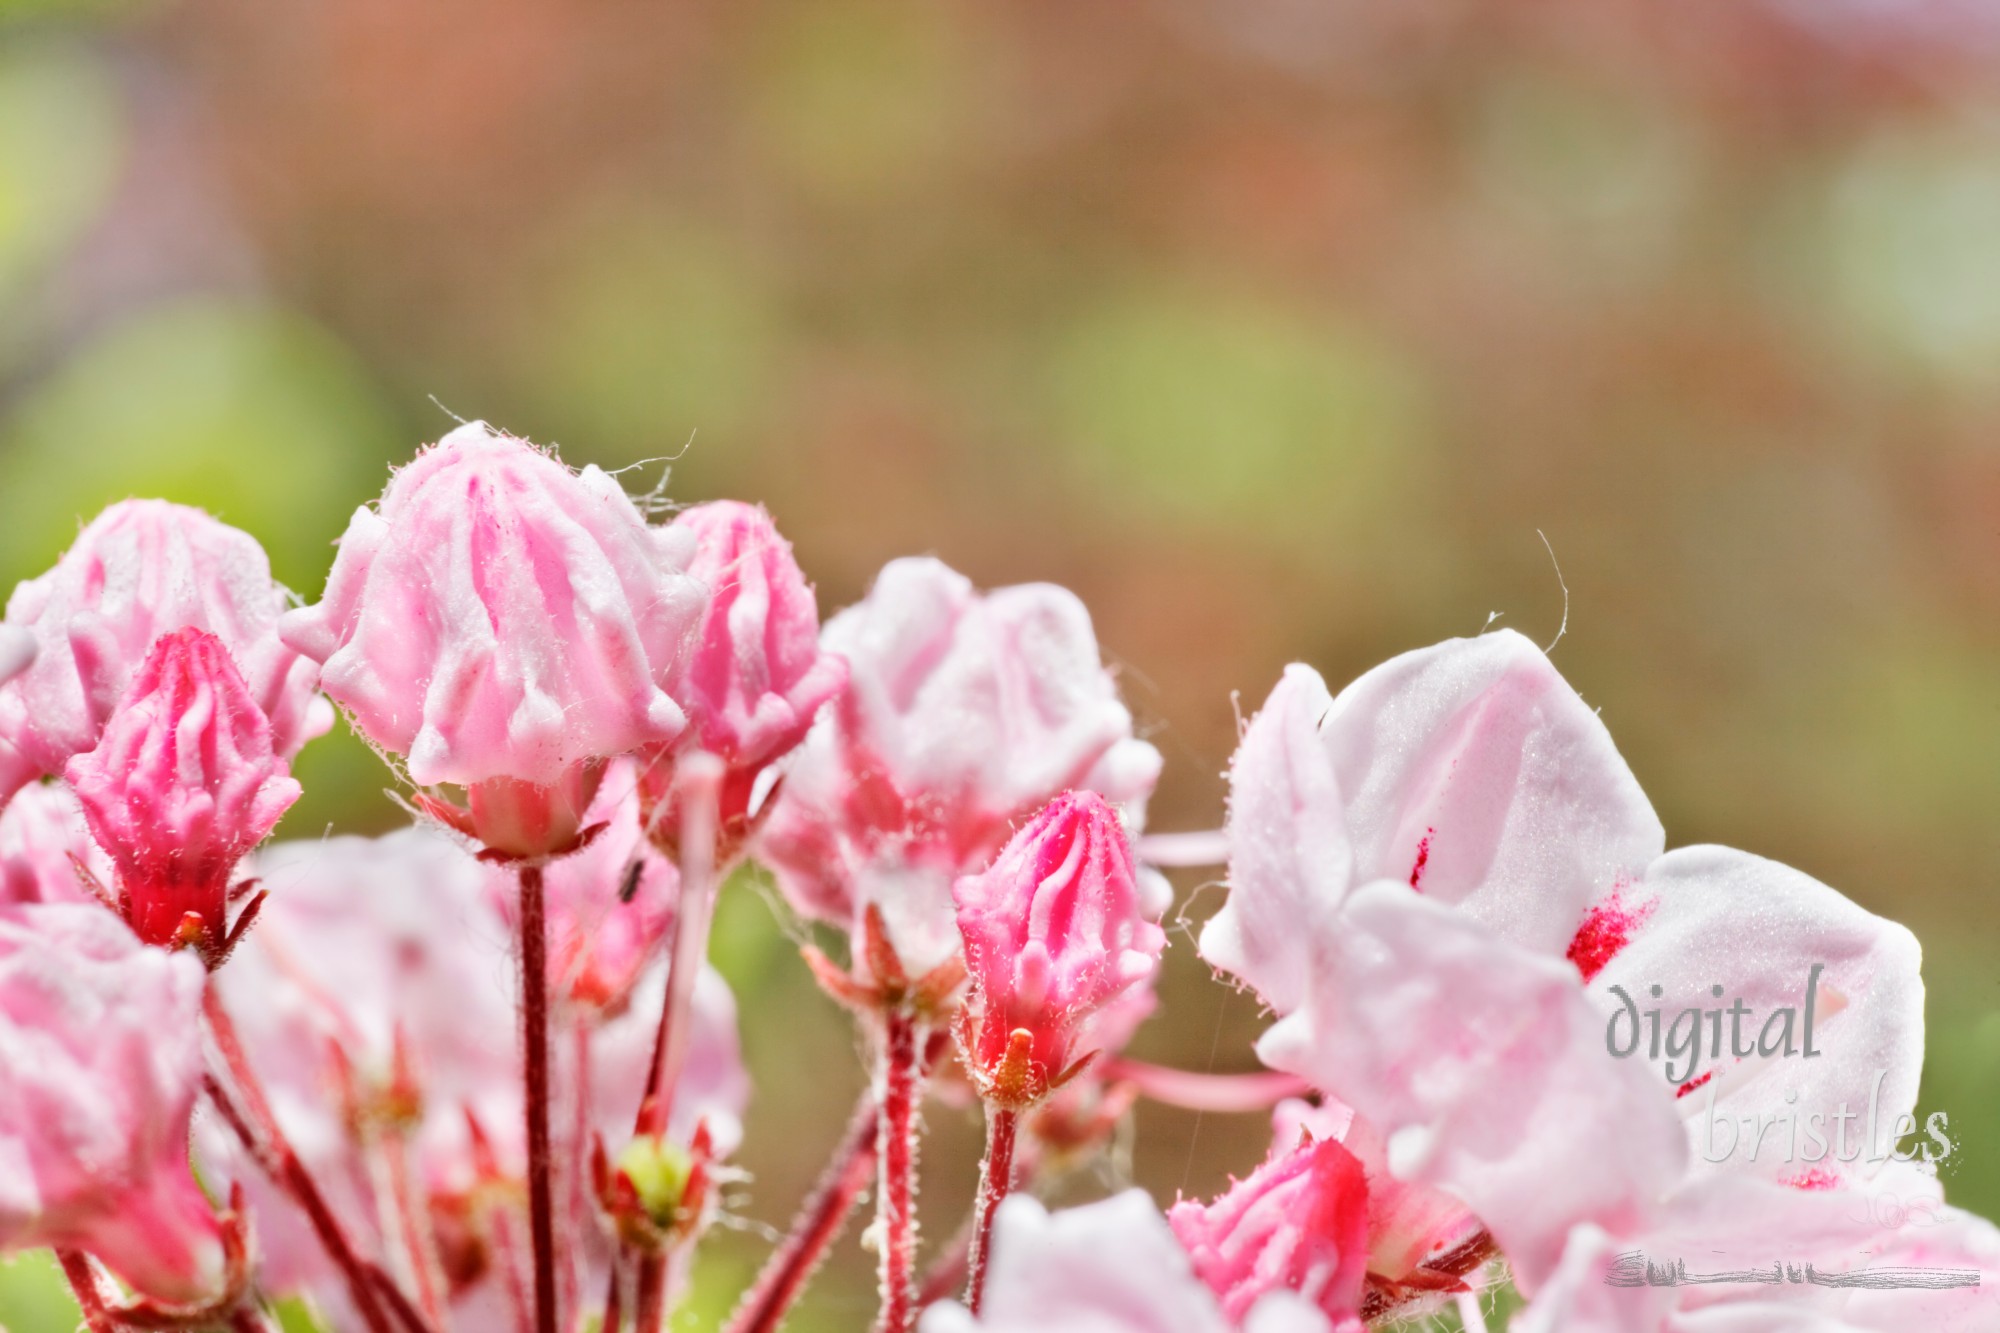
x: 1299, y: 1222
x: 505, y: 624
x: 100, y: 1038
x: 756, y: 675
x: 1054, y: 929
x: 142, y: 568
x: 183, y: 784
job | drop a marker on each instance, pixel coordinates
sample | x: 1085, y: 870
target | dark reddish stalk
x: 896, y: 1204
x: 649, y: 1294
x: 815, y: 1228
x: 261, y: 1134
x: 535, y: 1062
x: 996, y: 1178
x: 89, y: 1298
x: 614, y: 1304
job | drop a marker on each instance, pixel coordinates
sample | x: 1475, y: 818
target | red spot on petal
x: 1423, y: 859
x: 1693, y: 1083
x: 1818, y: 1178
x: 1607, y: 928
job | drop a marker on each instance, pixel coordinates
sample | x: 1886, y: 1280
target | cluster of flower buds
x: 1441, y: 881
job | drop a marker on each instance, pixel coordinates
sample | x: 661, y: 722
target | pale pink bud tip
x: 756, y: 675
x: 1054, y: 930
x: 142, y: 568
x: 101, y: 1040
x: 498, y: 615
x: 182, y: 785
x: 1298, y: 1223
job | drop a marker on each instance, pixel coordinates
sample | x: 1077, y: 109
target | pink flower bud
x: 1297, y: 1223
x: 756, y: 675
x: 101, y: 1041
x: 182, y: 785
x: 1054, y: 930
x: 500, y: 618
x: 962, y: 714
x: 141, y: 569
x: 43, y: 839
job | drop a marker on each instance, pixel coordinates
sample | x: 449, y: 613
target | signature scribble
x: 1633, y: 1269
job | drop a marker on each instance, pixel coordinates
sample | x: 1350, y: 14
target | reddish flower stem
x: 818, y: 1224
x: 698, y: 785
x: 254, y: 1123
x: 649, y: 1298
x: 89, y: 1297
x: 996, y: 1178
x: 895, y: 1204
x: 535, y: 1064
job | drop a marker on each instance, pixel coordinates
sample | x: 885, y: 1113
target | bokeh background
x: 1278, y: 329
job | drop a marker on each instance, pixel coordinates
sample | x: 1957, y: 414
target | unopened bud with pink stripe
x: 1297, y: 1223
x: 506, y: 624
x: 755, y: 674
x: 183, y: 784
x: 1054, y: 930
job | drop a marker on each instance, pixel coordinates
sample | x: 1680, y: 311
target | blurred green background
x: 1276, y: 328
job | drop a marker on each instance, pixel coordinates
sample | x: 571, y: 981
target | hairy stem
x: 535, y: 1063
x: 815, y: 1228
x: 896, y: 1201
x: 254, y: 1123
x: 89, y: 1297
x: 996, y: 1178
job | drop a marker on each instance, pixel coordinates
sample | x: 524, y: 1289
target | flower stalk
x: 535, y: 1064
x: 818, y: 1224
x: 896, y: 1202
x: 996, y: 1179
x: 83, y: 1285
